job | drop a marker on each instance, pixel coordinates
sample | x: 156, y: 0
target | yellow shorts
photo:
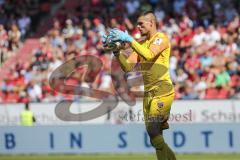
x: 157, y: 109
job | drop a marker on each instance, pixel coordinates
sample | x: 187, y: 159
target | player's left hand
x: 105, y: 38
x: 118, y: 35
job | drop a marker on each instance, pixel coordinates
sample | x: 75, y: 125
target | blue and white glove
x: 118, y: 35
x: 104, y: 37
x: 108, y: 42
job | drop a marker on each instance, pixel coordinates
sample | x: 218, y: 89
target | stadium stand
x: 205, y: 46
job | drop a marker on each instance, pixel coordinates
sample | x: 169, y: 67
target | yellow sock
x: 170, y: 153
x: 161, y: 154
x: 159, y: 144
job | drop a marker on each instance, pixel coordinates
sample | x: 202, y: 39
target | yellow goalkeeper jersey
x: 153, y: 58
x: 156, y: 71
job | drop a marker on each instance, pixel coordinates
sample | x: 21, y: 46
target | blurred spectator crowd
x: 205, y: 38
x: 18, y: 20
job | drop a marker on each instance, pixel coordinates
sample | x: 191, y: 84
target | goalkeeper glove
x: 118, y: 35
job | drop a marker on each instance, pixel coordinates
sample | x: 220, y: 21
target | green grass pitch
x: 122, y: 157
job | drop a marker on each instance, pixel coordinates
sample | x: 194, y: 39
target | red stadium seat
x: 223, y: 93
x: 211, y: 93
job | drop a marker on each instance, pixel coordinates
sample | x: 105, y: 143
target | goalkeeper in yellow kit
x: 153, y: 57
